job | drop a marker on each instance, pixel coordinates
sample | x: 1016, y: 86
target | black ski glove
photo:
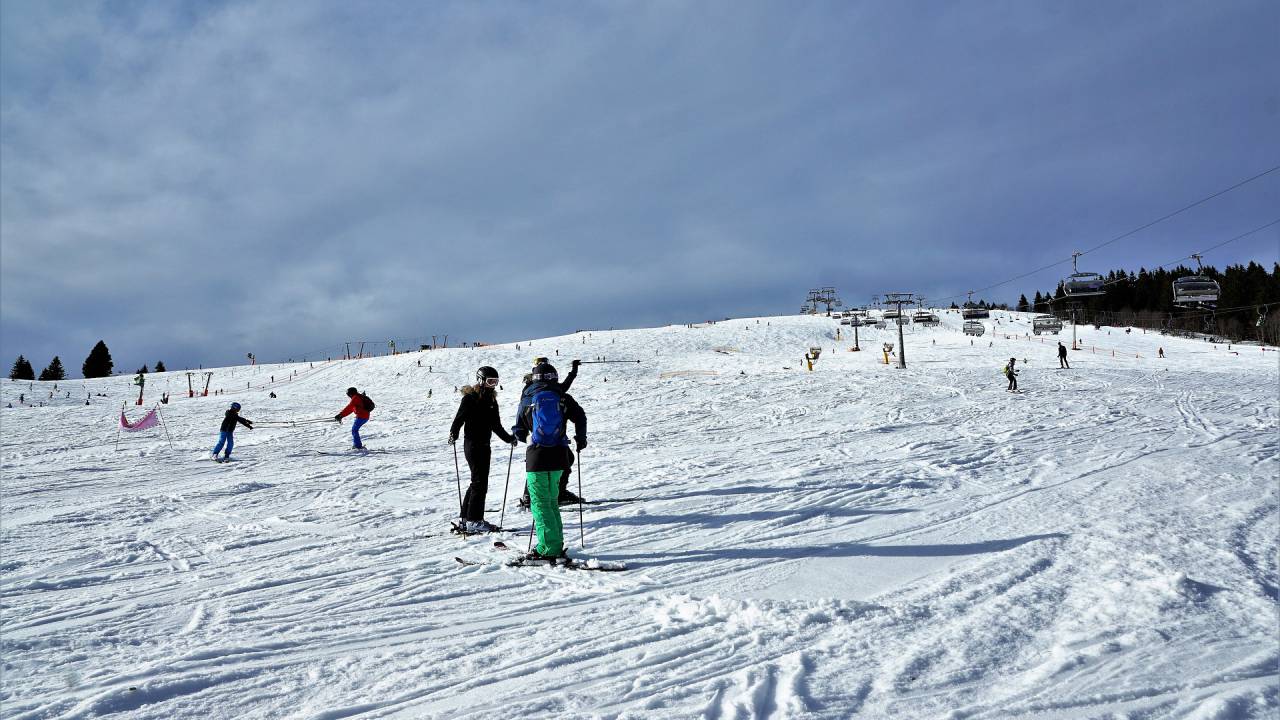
x: 581, y: 443
x: 338, y: 417
x: 576, y: 363
x: 452, y: 438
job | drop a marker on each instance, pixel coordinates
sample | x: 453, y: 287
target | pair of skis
x: 566, y: 563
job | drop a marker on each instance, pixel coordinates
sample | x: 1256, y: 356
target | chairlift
x: 970, y: 311
x: 1195, y: 289
x: 974, y: 327
x: 1083, y: 284
x: 1046, y: 323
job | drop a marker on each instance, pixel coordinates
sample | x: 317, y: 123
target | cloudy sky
x: 194, y: 181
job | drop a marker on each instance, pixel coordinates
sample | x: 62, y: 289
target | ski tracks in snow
x: 856, y: 541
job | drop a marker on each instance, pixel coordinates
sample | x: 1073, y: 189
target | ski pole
x: 507, y: 486
x: 605, y: 362
x: 458, y: 472
x: 582, y: 536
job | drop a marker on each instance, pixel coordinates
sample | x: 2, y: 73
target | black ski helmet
x: 540, y: 360
x: 545, y: 372
x: 484, y: 373
x: 235, y: 406
x: 351, y: 391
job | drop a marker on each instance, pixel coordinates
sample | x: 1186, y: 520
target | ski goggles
x: 491, y: 382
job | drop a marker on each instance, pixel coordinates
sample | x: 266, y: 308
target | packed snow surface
x: 858, y: 540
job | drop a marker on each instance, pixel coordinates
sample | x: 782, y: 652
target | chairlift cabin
x: 920, y: 316
x: 845, y: 321
x: 1083, y: 284
x: 929, y: 319
x: 1046, y: 323
x: 974, y: 313
x: 1195, y: 289
x: 973, y: 327
x: 891, y: 314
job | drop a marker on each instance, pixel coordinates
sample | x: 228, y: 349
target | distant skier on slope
x: 542, y: 420
x: 1062, y: 356
x: 1012, y: 374
x: 567, y: 497
x: 361, y: 405
x: 478, y: 417
x: 226, y: 434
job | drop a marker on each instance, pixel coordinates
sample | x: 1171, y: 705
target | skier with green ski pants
x: 542, y: 421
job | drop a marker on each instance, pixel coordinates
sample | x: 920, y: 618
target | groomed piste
x: 857, y: 540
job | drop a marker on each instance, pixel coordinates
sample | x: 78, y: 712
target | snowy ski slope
x: 854, y: 541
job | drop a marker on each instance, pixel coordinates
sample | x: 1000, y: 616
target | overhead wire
x: 1134, y: 231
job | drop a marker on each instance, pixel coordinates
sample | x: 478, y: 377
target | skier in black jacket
x: 226, y: 433
x: 478, y: 414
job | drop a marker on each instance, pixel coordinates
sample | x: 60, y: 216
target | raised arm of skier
x: 568, y: 379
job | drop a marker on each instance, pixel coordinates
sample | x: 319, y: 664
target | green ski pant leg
x: 544, y: 501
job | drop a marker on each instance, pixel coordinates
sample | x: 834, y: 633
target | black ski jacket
x: 233, y: 417
x: 478, y: 414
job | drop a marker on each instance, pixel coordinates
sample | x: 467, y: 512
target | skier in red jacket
x: 361, y: 409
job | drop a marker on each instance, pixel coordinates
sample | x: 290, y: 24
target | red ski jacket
x: 355, y: 406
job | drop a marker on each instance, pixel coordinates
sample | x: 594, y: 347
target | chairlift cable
x: 1241, y: 236
x: 1185, y: 208
x: 1122, y: 236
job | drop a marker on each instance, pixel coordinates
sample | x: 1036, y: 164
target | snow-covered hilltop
x: 858, y: 540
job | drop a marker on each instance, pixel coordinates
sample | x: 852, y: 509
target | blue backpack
x: 547, y: 413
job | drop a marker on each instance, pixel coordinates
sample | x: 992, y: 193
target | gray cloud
x: 193, y: 181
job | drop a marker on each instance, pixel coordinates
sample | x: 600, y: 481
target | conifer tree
x: 55, y: 370
x: 22, y: 370
x: 1023, y: 305
x: 142, y: 370
x: 160, y: 366
x: 99, y: 363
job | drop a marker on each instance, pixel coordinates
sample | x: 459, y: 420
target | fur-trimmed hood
x: 476, y: 390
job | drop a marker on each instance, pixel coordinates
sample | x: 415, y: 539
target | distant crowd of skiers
x: 542, y: 419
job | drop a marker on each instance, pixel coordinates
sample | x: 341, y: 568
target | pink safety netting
x: 149, y: 420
